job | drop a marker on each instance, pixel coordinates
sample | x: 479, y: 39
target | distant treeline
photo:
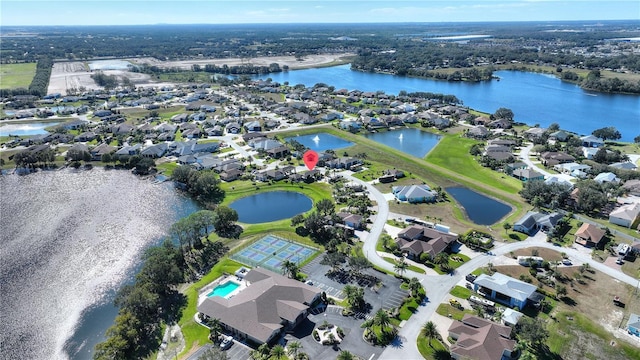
x: 245, y: 69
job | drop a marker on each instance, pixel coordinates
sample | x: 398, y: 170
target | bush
x: 316, y: 336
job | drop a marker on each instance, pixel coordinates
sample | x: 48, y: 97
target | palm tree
x: 293, y: 348
x: 401, y: 266
x: 290, y: 269
x: 506, y: 227
x: 215, y: 328
x: 277, y: 352
x: 430, y: 331
x: 354, y: 295
x: 382, y: 319
x: 441, y: 259
x: 414, y: 286
x: 345, y: 355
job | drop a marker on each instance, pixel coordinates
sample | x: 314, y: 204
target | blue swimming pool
x: 223, y: 290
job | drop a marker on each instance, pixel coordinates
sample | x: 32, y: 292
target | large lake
x: 534, y: 98
x: 69, y: 240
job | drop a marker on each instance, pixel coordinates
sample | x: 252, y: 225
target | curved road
x: 524, y: 156
x: 438, y: 287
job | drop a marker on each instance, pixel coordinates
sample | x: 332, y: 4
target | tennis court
x: 271, y: 251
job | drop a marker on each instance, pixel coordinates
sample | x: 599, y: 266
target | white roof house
x: 504, y: 289
x: 607, y: 177
x: 625, y: 215
x: 558, y: 180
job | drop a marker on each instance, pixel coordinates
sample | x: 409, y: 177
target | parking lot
x: 237, y: 351
x: 387, y: 296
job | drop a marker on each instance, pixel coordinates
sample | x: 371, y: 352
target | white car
x: 566, y: 262
x: 226, y: 343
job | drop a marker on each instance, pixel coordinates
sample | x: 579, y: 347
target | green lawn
x: 194, y: 333
x: 461, y: 292
x: 435, y: 351
x: 453, y: 153
x: 457, y: 314
x: 411, y: 267
x: 14, y: 76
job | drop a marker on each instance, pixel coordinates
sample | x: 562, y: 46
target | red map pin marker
x: 310, y: 159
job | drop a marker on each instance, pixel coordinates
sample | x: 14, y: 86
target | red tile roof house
x: 481, y: 339
x: 270, y: 305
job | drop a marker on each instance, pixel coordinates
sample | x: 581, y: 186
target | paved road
x: 438, y: 287
x: 524, y: 156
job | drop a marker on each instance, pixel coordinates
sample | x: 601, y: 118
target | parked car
x: 226, y: 343
x: 619, y: 261
x: 455, y: 303
x: 566, y: 262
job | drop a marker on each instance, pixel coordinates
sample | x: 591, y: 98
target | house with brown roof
x: 481, y: 339
x: 417, y: 239
x: 268, y: 306
x: 589, y: 235
x: 550, y: 158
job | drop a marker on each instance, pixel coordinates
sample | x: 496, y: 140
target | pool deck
x: 202, y: 295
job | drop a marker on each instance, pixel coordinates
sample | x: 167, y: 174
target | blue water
x: 321, y: 141
x: 534, y: 98
x: 224, y: 290
x: 480, y: 209
x: 37, y: 128
x: 270, y: 206
x: 411, y: 141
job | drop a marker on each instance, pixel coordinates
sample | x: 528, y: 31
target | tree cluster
x: 552, y: 195
x: 204, y: 185
x: 142, y: 305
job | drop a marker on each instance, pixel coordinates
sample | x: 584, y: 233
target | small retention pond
x: 411, y: 141
x: 321, y: 141
x: 481, y: 209
x: 270, y: 206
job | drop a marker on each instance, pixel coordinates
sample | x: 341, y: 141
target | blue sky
x: 133, y: 12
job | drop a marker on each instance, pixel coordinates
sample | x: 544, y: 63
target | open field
x: 586, y: 321
x: 73, y: 75
x: 14, y: 76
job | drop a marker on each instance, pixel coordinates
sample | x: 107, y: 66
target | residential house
x: 129, y: 150
x: 551, y: 158
x: 417, y: 239
x: 559, y: 135
x: 253, y: 126
x: 85, y: 136
x: 625, y: 215
x: 527, y: 175
x: 591, y: 141
x: 625, y: 165
x: 534, y: 133
x: 607, y: 177
x: 589, y: 235
x: 414, y: 193
x: 98, y: 151
x: 391, y: 175
x: 533, y: 221
x: 480, y: 339
x: 273, y: 174
x: 230, y: 175
x: 233, y: 128
x: 166, y: 128
x: 632, y: 187
x: 269, y: 306
x: 343, y: 163
x: 558, y: 180
x: 352, y: 126
x: 180, y: 118
x: 279, y: 152
x: 500, y: 124
x: 155, y: 151
x: 505, y: 289
x: 511, y: 167
x: 589, y: 153
x: 572, y: 168
x: 353, y: 221
x: 216, y: 130
x: 478, y: 132
x: 633, y: 324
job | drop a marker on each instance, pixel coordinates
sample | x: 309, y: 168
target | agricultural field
x: 13, y: 76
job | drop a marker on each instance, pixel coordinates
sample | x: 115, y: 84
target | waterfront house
x: 534, y: 133
x: 480, y: 339
x: 269, y: 306
x: 559, y: 135
x: 504, y: 289
x: 414, y: 193
x: 478, y: 132
x: 591, y: 141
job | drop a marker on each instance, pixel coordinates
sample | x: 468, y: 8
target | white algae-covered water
x: 69, y: 239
